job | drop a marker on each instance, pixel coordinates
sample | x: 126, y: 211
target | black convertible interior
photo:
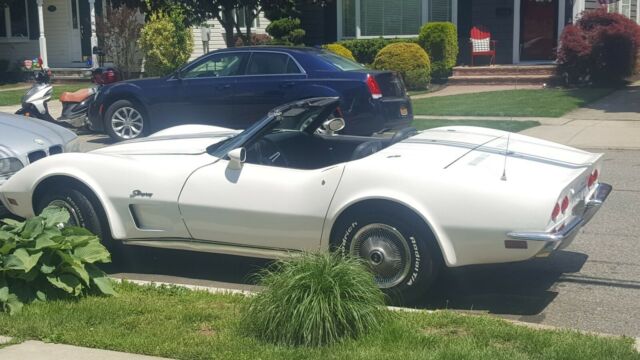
x: 301, y: 150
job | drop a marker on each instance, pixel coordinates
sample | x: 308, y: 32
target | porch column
x: 516, y: 32
x: 94, y: 37
x: 42, y: 39
x: 561, y: 17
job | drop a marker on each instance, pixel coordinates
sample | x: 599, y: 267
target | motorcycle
x: 75, y: 105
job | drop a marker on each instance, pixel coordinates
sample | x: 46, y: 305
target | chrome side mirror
x: 333, y: 125
x: 236, y: 158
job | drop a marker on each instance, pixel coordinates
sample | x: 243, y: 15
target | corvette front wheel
x: 83, y: 212
x: 397, y: 249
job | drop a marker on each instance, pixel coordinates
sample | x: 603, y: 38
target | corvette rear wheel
x: 125, y: 120
x: 400, y: 253
x: 84, y: 213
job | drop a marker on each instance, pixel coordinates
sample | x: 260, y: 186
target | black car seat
x: 403, y: 134
x: 366, y: 148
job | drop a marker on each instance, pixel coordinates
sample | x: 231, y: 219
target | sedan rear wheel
x: 125, y: 121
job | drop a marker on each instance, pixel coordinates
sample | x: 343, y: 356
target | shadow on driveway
x: 523, y: 289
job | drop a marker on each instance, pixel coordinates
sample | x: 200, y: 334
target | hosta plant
x: 42, y: 258
x: 315, y: 300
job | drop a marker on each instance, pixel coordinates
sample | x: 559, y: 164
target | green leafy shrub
x: 166, y: 42
x: 286, y: 31
x: 418, y: 79
x: 42, y: 259
x: 314, y: 300
x: 339, y: 50
x: 440, y: 41
x: 365, y: 50
x: 405, y: 58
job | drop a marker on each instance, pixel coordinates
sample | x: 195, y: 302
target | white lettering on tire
x: 416, y: 264
x: 343, y: 243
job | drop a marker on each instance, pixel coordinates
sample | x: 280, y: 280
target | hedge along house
x: 527, y: 31
x: 62, y: 32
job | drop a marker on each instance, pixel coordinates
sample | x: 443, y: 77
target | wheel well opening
x: 71, y: 183
x: 375, y: 205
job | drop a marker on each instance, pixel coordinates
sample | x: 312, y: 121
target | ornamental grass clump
x: 314, y: 300
x: 42, y: 259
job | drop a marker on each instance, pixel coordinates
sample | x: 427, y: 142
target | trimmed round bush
x: 314, y: 300
x: 340, y: 50
x: 405, y: 58
x: 365, y: 50
x: 440, y: 41
x: 286, y: 31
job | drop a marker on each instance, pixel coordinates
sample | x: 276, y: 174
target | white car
x: 25, y: 140
x: 406, y: 204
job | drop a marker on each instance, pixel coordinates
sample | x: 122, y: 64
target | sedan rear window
x: 340, y: 62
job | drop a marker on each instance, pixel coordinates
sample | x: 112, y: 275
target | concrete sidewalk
x: 612, y: 122
x: 37, y: 350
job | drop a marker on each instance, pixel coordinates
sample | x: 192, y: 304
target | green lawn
x: 12, y: 97
x: 542, y: 102
x: 178, y: 323
x: 507, y: 125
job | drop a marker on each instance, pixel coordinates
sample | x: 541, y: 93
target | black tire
x: 84, y: 211
x: 119, y: 110
x: 407, y: 287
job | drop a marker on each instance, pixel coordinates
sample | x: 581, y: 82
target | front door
x: 259, y: 206
x: 538, y: 33
x: 75, y: 38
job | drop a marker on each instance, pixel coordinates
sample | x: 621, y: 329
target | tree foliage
x: 166, y: 42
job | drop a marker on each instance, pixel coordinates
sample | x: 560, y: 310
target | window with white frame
x: 374, y: 18
x: 14, y: 20
x: 381, y: 18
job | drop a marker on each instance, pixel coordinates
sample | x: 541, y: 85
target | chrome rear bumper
x: 562, y: 238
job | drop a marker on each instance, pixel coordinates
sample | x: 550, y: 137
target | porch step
x: 501, y: 79
x: 71, y: 74
x: 504, y: 70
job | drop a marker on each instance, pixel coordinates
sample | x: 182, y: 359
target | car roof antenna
x: 506, y: 154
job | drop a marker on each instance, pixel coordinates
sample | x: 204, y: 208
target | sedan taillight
x: 373, y: 86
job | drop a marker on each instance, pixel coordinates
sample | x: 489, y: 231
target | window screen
x: 380, y: 17
x: 18, y: 12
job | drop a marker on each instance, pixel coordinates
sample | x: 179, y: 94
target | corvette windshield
x: 300, y: 116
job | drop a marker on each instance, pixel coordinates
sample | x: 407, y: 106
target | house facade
x: 527, y: 31
x: 63, y: 32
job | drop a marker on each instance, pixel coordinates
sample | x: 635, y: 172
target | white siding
x: 217, y: 40
x: 57, y: 30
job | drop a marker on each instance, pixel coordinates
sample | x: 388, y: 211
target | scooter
x: 75, y: 105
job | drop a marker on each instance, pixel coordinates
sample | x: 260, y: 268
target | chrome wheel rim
x: 385, y: 251
x: 127, y: 122
x: 74, y: 219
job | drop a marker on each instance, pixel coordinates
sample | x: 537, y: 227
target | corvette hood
x: 184, y: 144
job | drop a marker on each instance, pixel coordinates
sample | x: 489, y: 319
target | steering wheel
x: 267, y: 152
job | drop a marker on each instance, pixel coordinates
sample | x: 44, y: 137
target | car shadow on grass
x: 524, y: 288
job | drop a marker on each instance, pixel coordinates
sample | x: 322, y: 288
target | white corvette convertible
x: 406, y: 204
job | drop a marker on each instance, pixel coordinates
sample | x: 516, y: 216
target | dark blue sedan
x: 236, y: 87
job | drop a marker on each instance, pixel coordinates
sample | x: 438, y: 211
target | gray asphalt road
x: 594, y: 285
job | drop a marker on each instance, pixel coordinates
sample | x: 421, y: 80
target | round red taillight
x: 555, y: 212
x: 592, y: 178
x: 564, y: 205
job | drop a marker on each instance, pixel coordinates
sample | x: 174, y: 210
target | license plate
x: 404, y: 111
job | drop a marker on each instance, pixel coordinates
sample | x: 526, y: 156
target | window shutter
x: 371, y: 17
x: 440, y: 10
x: 412, y: 17
x: 34, y: 28
x: 349, y: 18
